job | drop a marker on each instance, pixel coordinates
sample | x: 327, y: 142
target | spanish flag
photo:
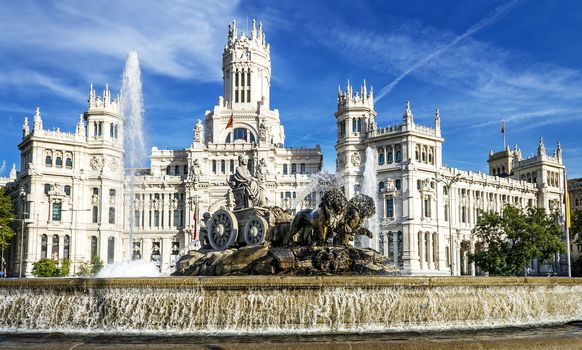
x: 230, y: 123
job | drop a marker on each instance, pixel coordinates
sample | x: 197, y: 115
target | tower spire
x: 541, y: 147
x: 25, y: 127
x: 407, y: 117
x: 37, y: 122
x: 437, y: 119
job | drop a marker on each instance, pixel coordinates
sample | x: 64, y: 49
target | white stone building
x: 413, y: 199
x: 73, y: 193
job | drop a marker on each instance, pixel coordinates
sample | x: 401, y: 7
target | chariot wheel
x: 255, y: 230
x: 222, y: 229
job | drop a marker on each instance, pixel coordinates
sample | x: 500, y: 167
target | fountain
x: 370, y: 188
x: 135, y: 155
x: 132, y: 112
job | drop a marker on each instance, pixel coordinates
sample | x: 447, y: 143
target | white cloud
x: 180, y: 39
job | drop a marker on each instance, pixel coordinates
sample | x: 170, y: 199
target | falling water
x: 261, y: 305
x: 132, y: 111
x: 370, y: 188
x: 321, y: 181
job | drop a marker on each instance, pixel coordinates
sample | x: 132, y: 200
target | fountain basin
x: 272, y: 304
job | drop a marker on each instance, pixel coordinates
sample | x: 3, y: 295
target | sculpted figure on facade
x: 248, y: 190
x: 262, y: 170
x: 195, y: 172
x: 199, y: 132
x: 263, y: 132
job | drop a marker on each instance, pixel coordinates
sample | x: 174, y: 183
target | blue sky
x: 478, y: 61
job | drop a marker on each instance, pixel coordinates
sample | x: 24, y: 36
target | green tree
x: 576, y: 227
x: 51, y: 268
x: 96, y: 264
x: 513, y: 239
x: 45, y: 268
x: 6, y: 217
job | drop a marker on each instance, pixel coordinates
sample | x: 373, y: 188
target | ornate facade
x: 419, y: 197
x: 74, y: 195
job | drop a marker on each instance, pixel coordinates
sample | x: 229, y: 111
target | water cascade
x: 370, y: 188
x: 132, y: 112
x: 263, y: 304
x: 319, y: 182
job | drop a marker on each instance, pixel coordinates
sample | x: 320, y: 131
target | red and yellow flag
x: 230, y: 123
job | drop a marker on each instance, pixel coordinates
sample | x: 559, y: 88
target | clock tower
x: 246, y: 67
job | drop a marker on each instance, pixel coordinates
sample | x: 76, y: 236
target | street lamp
x: 448, y: 183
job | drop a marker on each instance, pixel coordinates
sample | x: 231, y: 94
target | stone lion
x: 359, y: 208
x: 312, y: 227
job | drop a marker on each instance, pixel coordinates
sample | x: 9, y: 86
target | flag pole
x: 567, y: 221
x: 503, y: 132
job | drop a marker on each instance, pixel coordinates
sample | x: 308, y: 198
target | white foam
x: 136, y: 268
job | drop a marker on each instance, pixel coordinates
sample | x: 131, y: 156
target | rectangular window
x: 390, y: 207
x: 302, y: 168
x: 185, y: 170
x: 381, y: 158
x: 177, y: 218
x: 446, y: 212
x: 110, y: 250
x: 95, y: 214
x: 176, y: 170
x: 214, y: 166
x: 464, y: 214
x: 284, y: 169
x: 157, y: 218
x: 427, y: 211
x: 57, y: 211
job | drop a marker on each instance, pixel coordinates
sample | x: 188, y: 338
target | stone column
x: 429, y: 252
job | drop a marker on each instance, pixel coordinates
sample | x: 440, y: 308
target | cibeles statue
x: 248, y: 191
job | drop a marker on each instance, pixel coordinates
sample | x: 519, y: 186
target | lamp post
x: 448, y: 183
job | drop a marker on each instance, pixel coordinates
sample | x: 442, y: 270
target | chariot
x: 246, y: 227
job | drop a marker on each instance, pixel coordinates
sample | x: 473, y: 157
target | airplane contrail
x: 491, y: 18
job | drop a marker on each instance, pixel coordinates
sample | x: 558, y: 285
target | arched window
x: 223, y: 166
x: 214, y: 166
x: 503, y: 169
x: 430, y: 156
x: 398, y: 184
x: 381, y: 186
x: 110, y: 250
x: 59, y: 162
x: 302, y: 168
x: 67, y: 247
x: 69, y: 163
x: 55, y: 250
x: 423, y: 154
x: 67, y: 190
x: 48, y: 161
x: 43, y: 246
x: 240, y: 134
x: 381, y: 156
x: 232, y: 166
x: 354, y: 125
x: 293, y: 168
x: 417, y: 153
x: 285, y: 169
x: 169, y: 170
x: 93, y: 246
x: 111, y: 215
x: 227, y: 140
